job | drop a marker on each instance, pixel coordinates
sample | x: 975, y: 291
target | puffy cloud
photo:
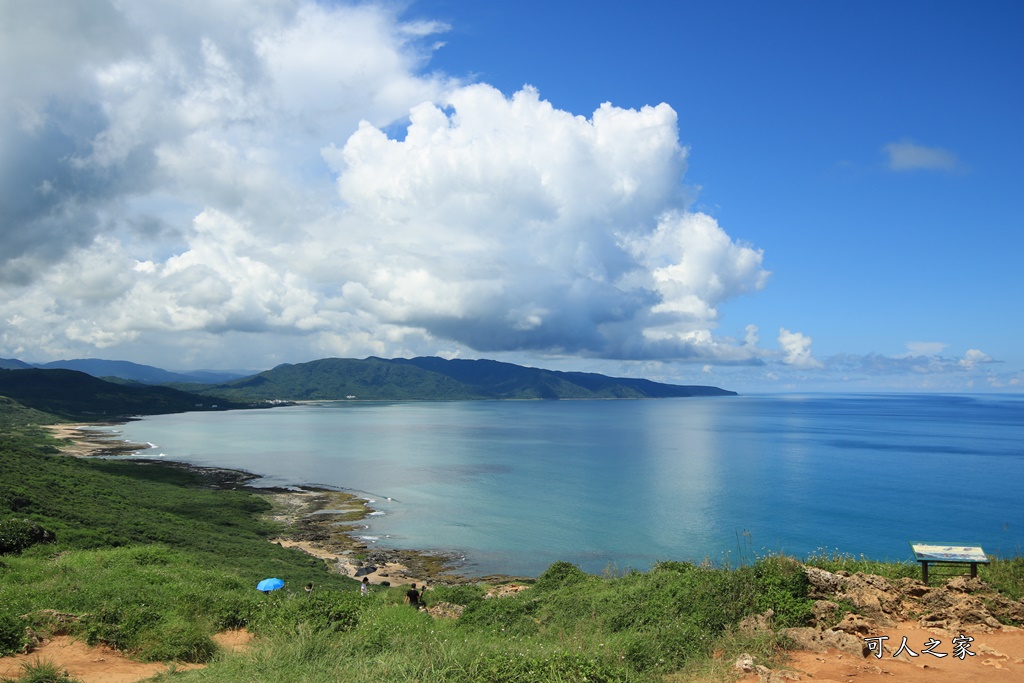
x: 909, y: 156
x: 503, y: 223
x: 796, y: 349
x: 216, y: 176
x: 974, y: 357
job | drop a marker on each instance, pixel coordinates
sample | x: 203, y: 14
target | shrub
x: 182, y: 642
x: 666, y: 650
x: 18, y: 534
x: 1006, y: 576
x: 234, y: 610
x: 13, y: 501
x: 103, y: 627
x: 511, y: 615
x: 562, y: 666
x: 12, y: 634
x: 462, y: 594
x: 782, y: 586
x: 326, y: 611
x: 673, y: 566
x: 560, y: 575
x: 331, y: 611
x: 712, y: 599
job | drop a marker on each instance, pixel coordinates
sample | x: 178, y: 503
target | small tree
x: 18, y: 534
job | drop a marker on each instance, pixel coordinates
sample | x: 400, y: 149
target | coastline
x: 318, y: 521
x: 84, y: 440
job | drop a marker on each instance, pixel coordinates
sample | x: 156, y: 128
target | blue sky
x: 788, y: 109
x: 824, y: 202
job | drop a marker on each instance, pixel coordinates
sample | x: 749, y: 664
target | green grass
x: 838, y: 562
x: 14, y: 415
x: 1006, y: 575
x: 147, y: 558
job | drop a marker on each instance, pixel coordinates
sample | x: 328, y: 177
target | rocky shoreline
x: 326, y: 523
x: 321, y: 522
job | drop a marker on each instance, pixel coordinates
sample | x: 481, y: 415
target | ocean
x: 513, y: 486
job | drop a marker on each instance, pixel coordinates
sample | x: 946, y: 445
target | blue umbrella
x: 267, y: 585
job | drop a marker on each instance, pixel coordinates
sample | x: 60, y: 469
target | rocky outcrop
x: 445, y: 610
x: 961, y: 603
x: 851, y: 608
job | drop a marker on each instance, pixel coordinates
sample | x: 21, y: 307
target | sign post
x: 947, y: 553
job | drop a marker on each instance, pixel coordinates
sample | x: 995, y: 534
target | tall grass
x: 569, y: 626
x: 835, y: 562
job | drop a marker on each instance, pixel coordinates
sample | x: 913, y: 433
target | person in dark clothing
x: 412, y: 597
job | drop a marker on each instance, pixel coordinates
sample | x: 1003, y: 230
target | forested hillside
x: 431, y: 378
x: 73, y: 395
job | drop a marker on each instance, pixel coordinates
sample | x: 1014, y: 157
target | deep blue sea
x: 513, y: 486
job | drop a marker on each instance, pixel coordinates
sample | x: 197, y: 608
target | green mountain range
x: 122, y: 369
x: 431, y: 378
x: 75, y: 395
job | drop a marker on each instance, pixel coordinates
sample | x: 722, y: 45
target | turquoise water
x: 513, y: 486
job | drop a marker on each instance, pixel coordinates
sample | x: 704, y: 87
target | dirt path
x: 102, y: 664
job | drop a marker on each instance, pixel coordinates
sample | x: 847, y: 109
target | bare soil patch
x: 102, y: 664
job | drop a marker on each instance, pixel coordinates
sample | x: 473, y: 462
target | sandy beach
x: 86, y: 440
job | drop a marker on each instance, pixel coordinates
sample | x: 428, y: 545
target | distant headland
x: 98, y: 389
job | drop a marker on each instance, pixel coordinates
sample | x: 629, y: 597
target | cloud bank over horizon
x: 242, y: 184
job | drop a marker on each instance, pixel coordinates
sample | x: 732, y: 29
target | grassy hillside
x: 74, y: 395
x: 142, y: 555
x: 13, y: 413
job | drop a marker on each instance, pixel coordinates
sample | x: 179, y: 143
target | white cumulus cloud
x: 974, y: 357
x: 222, y: 180
x: 796, y: 348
